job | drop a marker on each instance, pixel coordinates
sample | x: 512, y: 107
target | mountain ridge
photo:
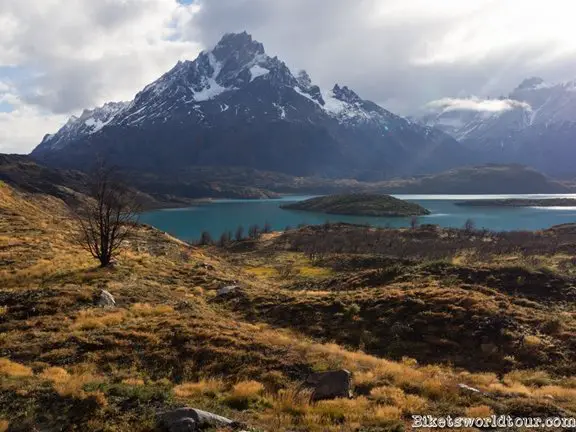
x: 535, y: 126
x: 236, y: 106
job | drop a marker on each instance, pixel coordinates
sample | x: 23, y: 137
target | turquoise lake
x: 219, y: 216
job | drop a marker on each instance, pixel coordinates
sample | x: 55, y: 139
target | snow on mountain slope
x: 535, y: 124
x: 89, y: 122
x: 235, y: 99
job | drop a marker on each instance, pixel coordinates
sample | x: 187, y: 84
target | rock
x: 191, y: 419
x: 330, y: 385
x: 106, y: 299
x: 468, y: 388
x: 183, y: 425
x: 227, y: 290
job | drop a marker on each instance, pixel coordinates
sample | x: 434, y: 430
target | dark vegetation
x: 359, y: 205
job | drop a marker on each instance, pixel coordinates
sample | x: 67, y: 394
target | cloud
x: 22, y: 124
x: 477, y: 104
x: 404, y: 53
x: 67, y: 55
x: 76, y: 54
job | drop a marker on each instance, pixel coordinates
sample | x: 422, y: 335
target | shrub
x: 90, y: 320
x: 55, y: 374
x: 12, y: 369
x: 531, y: 341
x: 387, y: 413
x: 209, y: 388
x: 482, y: 411
x: 244, y: 395
x: 388, y: 395
x: 144, y: 309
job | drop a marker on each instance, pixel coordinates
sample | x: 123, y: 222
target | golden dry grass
x: 143, y: 310
x: 168, y: 343
x: 55, y: 374
x: 11, y: 369
x: 93, y: 319
x: 209, y: 387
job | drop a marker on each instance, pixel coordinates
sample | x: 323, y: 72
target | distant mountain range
x: 235, y: 106
x: 534, y: 125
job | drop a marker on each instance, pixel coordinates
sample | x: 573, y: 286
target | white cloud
x: 76, y: 54
x: 25, y: 125
x: 477, y: 104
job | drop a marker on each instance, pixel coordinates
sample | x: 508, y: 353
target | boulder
x: 227, y: 290
x: 330, y: 385
x: 191, y: 419
x: 106, y: 299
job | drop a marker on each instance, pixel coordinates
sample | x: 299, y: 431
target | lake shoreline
x: 546, y: 202
x: 217, y: 216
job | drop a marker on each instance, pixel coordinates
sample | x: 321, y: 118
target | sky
x: 58, y: 57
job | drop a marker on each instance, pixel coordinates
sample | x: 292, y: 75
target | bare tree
x: 110, y: 215
x: 239, y: 236
x: 254, y: 232
x: 206, y: 239
x: 469, y: 226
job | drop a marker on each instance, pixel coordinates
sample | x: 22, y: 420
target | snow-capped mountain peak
x: 89, y: 122
x: 534, y: 125
x: 233, y: 98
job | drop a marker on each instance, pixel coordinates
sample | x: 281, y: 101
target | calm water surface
x: 226, y: 215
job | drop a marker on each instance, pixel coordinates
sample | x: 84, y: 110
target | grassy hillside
x: 359, y: 205
x: 308, y: 302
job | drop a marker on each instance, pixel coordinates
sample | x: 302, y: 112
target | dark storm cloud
x: 343, y: 41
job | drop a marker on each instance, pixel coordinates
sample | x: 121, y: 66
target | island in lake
x: 518, y: 202
x: 359, y: 205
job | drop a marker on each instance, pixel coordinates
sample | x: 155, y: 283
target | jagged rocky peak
x: 345, y: 94
x: 239, y: 46
x: 304, y: 79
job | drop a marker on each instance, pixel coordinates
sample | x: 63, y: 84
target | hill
x: 359, y: 205
x: 484, y: 179
x: 236, y: 106
x: 427, y: 320
x: 27, y: 175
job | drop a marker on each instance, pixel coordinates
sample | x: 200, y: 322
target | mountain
x: 535, y: 125
x: 236, y: 106
x: 485, y: 179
